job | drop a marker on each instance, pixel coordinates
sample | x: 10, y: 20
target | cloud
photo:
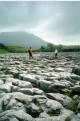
x: 57, y: 22
x: 67, y: 21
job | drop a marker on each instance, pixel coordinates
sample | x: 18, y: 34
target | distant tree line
x: 51, y: 47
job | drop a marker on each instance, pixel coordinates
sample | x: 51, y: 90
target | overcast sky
x: 56, y: 22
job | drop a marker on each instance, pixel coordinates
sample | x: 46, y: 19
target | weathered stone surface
x: 19, y: 83
x: 78, y: 115
x: 65, y: 115
x: 78, y: 106
x: 75, y: 97
x: 44, y: 85
x: 26, y: 91
x: 22, y: 84
x: 76, y: 70
x: 44, y: 115
x: 42, y: 99
x: 64, y: 100
x: 6, y: 87
x: 1, y: 82
x: 33, y: 110
x: 56, y: 87
x: 76, y: 88
x: 23, y: 98
x: 75, y: 77
x: 30, y: 91
x: 52, y: 106
x: 30, y: 78
x: 13, y: 119
x: 39, y: 89
x: 19, y: 114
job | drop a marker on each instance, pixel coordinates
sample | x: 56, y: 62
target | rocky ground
x: 44, y: 88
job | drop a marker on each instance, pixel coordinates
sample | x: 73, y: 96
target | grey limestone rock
x: 76, y: 88
x: 64, y: 100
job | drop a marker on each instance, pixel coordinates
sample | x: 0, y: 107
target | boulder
x: 44, y: 115
x: 76, y: 88
x: 30, y: 78
x: 18, y: 114
x: 41, y: 99
x: 6, y: 87
x: 44, y: 85
x: 64, y: 100
x: 78, y: 108
x: 19, y: 83
x: 22, y: 84
x: 27, y: 91
x: 37, y: 91
x: 30, y: 91
x: 78, y: 115
x: 14, y: 104
x: 75, y: 77
x: 33, y: 110
x: 1, y: 82
x: 52, y: 106
x: 25, y: 99
x: 14, y: 119
x: 57, y: 87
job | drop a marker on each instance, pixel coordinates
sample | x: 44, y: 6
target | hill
x: 21, y: 39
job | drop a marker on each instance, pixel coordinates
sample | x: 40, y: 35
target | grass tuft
x: 68, y: 119
x: 52, y: 114
x: 39, y: 106
x: 75, y: 104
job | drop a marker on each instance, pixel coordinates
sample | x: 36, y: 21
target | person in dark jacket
x: 30, y: 53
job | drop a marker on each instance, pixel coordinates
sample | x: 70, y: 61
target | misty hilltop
x: 21, y: 39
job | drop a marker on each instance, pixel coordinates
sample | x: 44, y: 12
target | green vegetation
x: 18, y: 48
x: 68, y: 119
x: 69, y: 94
x: 3, y: 51
x: 52, y: 114
x: 75, y: 104
x: 2, y: 114
x: 43, y: 68
x: 39, y: 106
x: 13, y: 49
x: 5, y: 65
x: 16, y: 75
x: 51, y: 47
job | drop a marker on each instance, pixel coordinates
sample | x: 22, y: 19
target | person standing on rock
x: 30, y: 53
x: 56, y: 52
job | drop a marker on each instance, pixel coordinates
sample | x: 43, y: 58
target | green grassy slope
x: 3, y: 51
x: 23, y: 49
x: 18, y: 48
x: 14, y: 49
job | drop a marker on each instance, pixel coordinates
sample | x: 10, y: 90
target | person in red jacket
x: 30, y: 53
